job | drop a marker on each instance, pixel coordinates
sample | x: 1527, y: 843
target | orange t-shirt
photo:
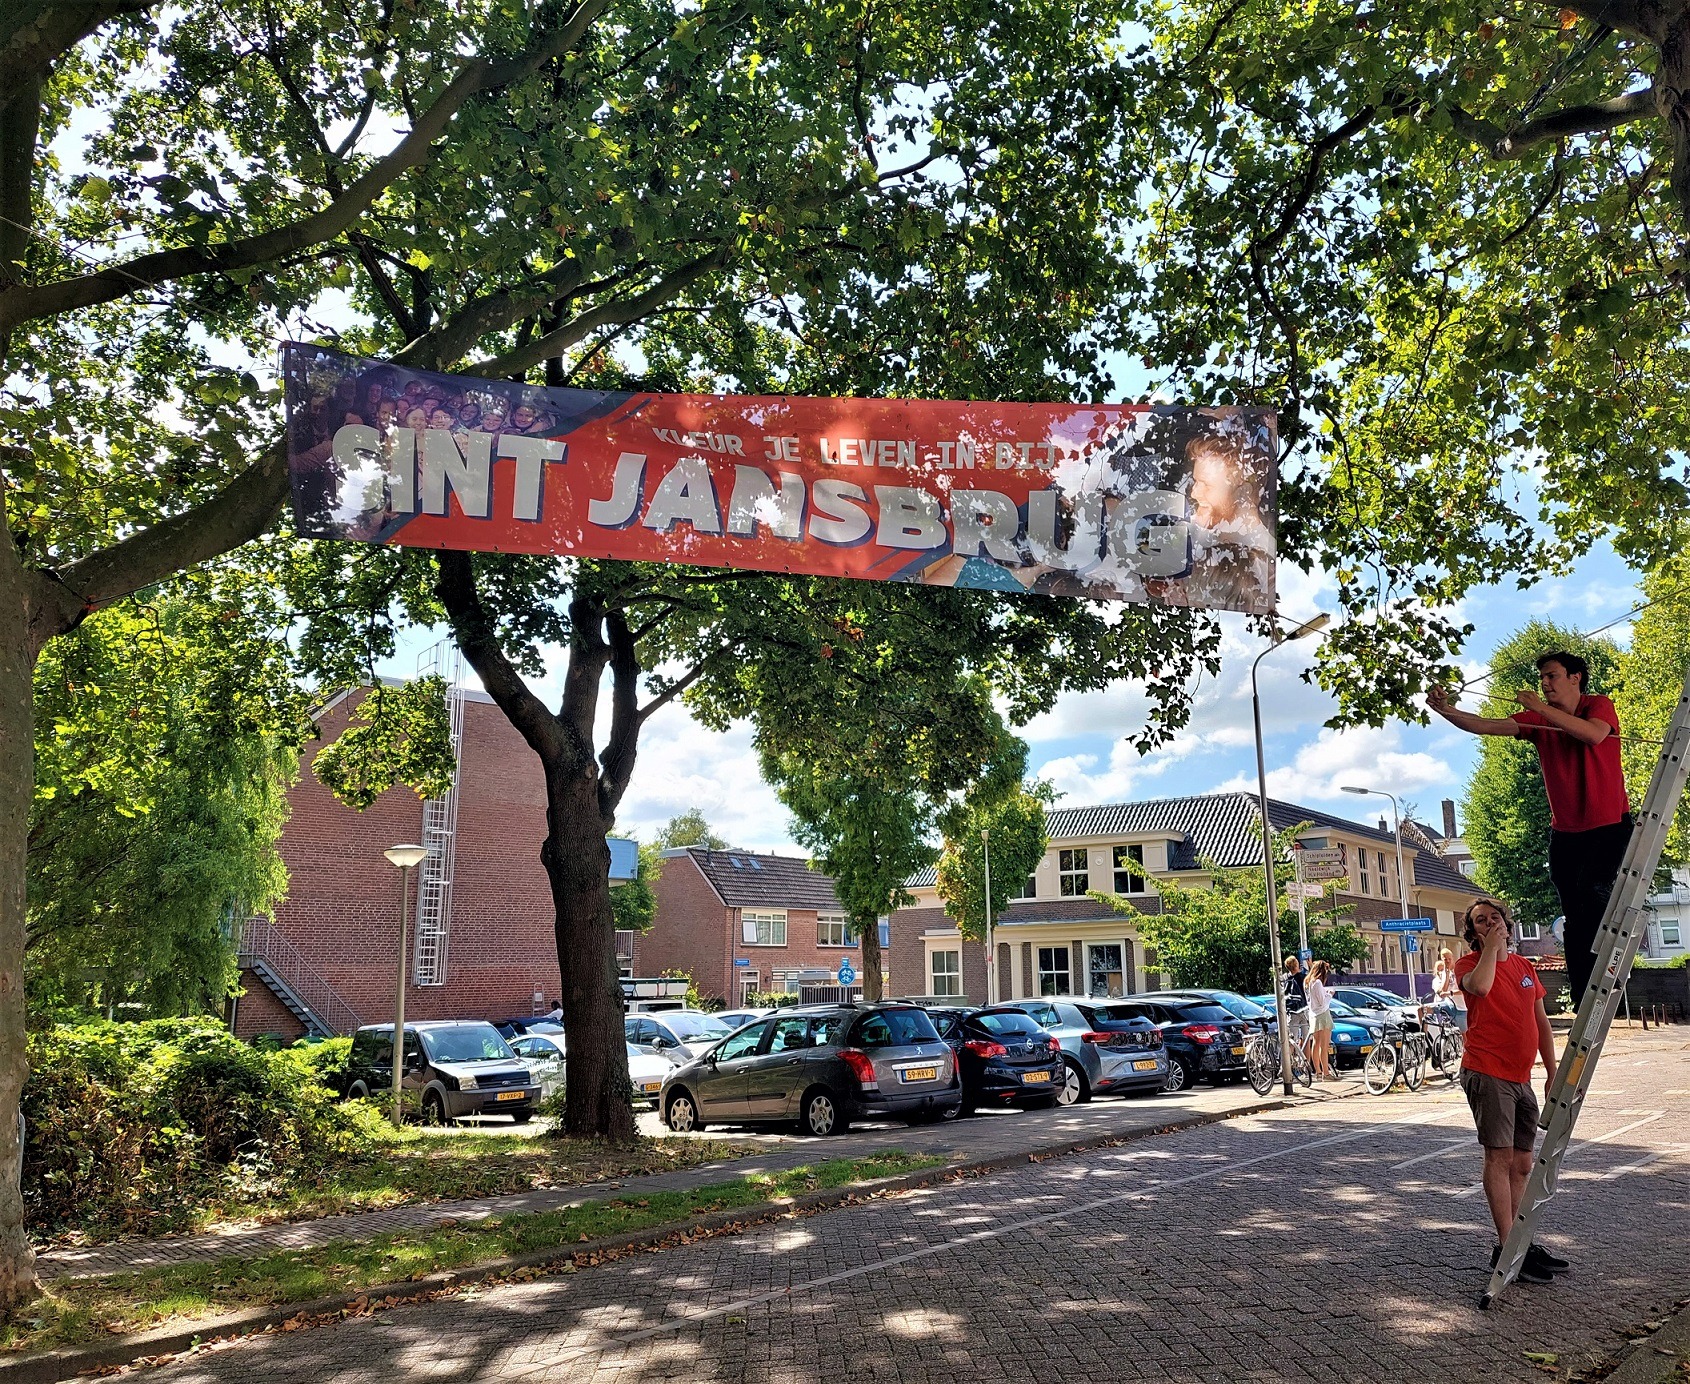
x: 1501, y: 1039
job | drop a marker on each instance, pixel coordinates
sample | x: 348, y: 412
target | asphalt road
x: 1346, y: 1240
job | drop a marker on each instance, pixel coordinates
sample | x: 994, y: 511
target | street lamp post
x: 1402, y: 879
x: 991, y: 955
x: 1307, y: 627
x: 405, y: 857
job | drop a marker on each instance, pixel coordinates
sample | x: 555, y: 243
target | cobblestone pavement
x: 993, y: 1135
x: 1333, y: 1240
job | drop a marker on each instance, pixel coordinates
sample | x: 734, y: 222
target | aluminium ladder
x: 1616, y: 944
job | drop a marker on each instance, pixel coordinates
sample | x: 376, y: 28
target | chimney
x: 1450, y: 833
x: 1384, y: 827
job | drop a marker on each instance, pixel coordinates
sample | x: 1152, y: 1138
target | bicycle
x: 1447, y: 1044
x: 1401, y: 1054
x: 1261, y: 1058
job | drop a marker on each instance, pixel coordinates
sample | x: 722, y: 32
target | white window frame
x: 750, y: 983
x: 1361, y: 856
x: 1529, y: 932
x: 831, y: 925
x: 1032, y: 888
x: 763, y: 927
x: 1676, y: 940
x: 1137, y: 877
x: 944, y: 979
x: 1384, y: 876
x: 1065, y: 970
x: 1074, y: 882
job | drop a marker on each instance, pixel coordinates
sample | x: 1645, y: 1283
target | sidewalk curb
x: 148, y: 1347
x: 1656, y: 1359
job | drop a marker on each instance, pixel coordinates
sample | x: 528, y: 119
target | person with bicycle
x: 1296, y: 1002
x: 1320, y: 1021
x: 1507, y: 1026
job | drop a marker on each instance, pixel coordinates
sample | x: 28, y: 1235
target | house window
x: 947, y: 972
x: 1072, y: 870
x: 1054, y: 978
x: 1670, y: 934
x: 1362, y: 857
x: 748, y: 986
x: 1470, y: 868
x: 1384, y: 879
x: 834, y: 930
x: 1129, y: 870
x: 764, y: 929
x: 785, y: 982
x: 1528, y: 931
x: 1031, y: 889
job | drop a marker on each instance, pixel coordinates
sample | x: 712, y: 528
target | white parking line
x: 927, y: 1251
x: 1644, y: 1162
x: 1478, y: 1187
x: 1444, y: 1152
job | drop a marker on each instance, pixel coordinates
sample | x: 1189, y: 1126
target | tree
x: 1016, y: 823
x: 1650, y: 681
x: 689, y: 828
x: 162, y: 769
x: 1446, y: 242
x: 1506, y: 812
x: 633, y: 903
x: 1216, y: 935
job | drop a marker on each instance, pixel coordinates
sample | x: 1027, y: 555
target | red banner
x: 1118, y: 502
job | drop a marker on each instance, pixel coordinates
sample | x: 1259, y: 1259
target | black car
x: 1004, y: 1058
x: 1204, y: 1039
x: 456, y: 1066
x: 1254, y: 1014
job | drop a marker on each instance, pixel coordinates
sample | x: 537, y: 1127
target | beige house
x: 1054, y: 939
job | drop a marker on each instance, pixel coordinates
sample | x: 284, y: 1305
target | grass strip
x: 80, y: 1311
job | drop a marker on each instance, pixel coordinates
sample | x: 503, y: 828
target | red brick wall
x: 688, y: 932
x: 342, y: 908
x: 259, y: 1011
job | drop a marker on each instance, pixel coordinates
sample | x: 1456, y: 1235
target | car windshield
x: 686, y: 1027
x: 1005, y: 1024
x: 896, y: 1028
x: 1243, y: 1008
x: 471, y: 1043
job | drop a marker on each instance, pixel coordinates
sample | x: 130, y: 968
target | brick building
x: 329, y: 953
x: 1055, y: 939
x: 740, y: 923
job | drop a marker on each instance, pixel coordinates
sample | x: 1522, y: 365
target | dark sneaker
x: 1538, y: 1256
x: 1531, y: 1271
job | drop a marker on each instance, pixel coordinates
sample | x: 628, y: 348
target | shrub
x: 130, y: 1127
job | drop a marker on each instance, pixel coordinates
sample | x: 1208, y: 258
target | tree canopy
x: 1650, y: 681
x: 1017, y: 840
x: 690, y: 828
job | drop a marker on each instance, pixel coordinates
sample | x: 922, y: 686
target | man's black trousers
x: 1582, y: 866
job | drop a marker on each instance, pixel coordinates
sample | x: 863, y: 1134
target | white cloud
x: 1364, y: 757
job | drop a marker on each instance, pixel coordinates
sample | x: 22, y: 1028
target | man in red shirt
x: 1507, y: 1027
x: 1577, y: 737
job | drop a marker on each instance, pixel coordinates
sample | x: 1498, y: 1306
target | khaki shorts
x: 1323, y: 1021
x: 1504, y: 1111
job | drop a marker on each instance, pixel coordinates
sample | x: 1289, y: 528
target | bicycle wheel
x: 1415, y: 1051
x: 1379, y: 1072
x: 1301, y: 1068
x: 1448, y: 1053
x: 1263, y: 1064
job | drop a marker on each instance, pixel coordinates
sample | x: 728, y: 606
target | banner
x: 1118, y: 502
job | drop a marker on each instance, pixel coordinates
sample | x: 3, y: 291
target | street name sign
x: 1406, y: 925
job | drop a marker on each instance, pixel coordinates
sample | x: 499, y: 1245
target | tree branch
x: 625, y: 719
x: 37, y: 33
x: 1574, y: 120
x: 24, y: 304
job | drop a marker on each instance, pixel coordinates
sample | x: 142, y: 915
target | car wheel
x: 950, y: 1112
x: 1178, y: 1078
x: 522, y: 1116
x: 822, y: 1115
x: 1075, y: 1088
x: 433, y: 1109
x: 357, y: 1091
x: 682, y: 1115
x: 1049, y: 1102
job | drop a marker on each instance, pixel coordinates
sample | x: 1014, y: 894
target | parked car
x: 457, y: 1067
x: 513, y: 1028
x: 1254, y: 1012
x: 544, y: 1052
x: 739, y: 1018
x: 822, y: 1065
x: 1353, y: 1036
x: 1371, y: 1001
x: 1104, y: 1048
x: 1005, y: 1058
x: 686, y: 1033
x: 1204, y: 1039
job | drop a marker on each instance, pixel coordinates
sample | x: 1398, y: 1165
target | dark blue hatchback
x: 1004, y: 1058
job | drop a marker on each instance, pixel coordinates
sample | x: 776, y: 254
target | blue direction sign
x: 1410, y: 945
x: 1406, y: 925
x: 1307, y: 955
x: 847, y: 973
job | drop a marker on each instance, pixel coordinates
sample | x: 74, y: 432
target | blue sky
x: 1079, y: 744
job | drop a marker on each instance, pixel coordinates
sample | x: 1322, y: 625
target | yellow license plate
x: 651, y: 1088
x: 1366, y: 1047
x: 1030, y: 1077
x: 1144, y: 1066
x: 510, y: 1095
x: 920, y: 1073
x: 1238, y: 1052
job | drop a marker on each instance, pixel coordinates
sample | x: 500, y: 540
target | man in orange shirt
x: 1577, y: 737
x: 1507, y: 1026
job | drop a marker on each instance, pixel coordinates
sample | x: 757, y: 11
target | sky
x: 1079, y: 745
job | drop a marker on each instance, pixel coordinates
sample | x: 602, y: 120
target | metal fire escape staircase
x: 440, y: 829
x: 268, y: 954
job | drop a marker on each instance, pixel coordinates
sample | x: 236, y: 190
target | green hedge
x: 130, y: 1126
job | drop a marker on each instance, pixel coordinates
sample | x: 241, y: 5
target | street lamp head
x: 1319, y: 622
x: 406, y: 856
x: 985, y: 833
x: 1347, y: 789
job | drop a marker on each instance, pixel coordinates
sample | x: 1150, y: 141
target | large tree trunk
x: 868, y: 933
x: 18, y: 650
x: 577, y: 859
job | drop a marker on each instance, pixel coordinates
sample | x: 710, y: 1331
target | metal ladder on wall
x: 440, y: 828
x: 1616, y: 944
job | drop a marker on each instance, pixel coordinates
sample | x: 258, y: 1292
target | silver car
x: 545, y: 1052
x: 681, y: 1033
x: 1104, y: 1048
x: 824, y: 1066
